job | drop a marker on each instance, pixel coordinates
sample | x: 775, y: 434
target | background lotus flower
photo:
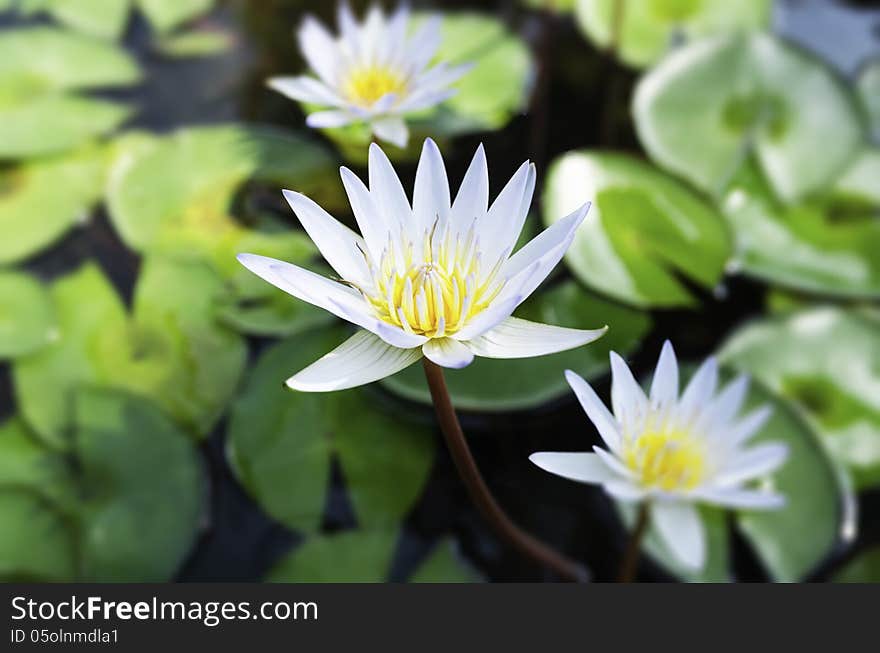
x: 435, y: 278
x: 371, y: 72
x: 673, y: 451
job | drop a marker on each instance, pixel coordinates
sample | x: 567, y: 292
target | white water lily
x: 435, y: 278
x: 673, y: 451
x: 372, y: 72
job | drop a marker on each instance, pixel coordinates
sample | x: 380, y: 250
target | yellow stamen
x: 667, y: 460
x: 437, y: 293
x: 367, y: 84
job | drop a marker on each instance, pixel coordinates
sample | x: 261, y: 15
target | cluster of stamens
x: 433, y: 288
x: 666, y: 459
x: 366, y: 84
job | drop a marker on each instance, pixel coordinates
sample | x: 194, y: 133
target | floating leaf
x: 99, y: 18
x: 26, y: 464
x: 818, y: 513
x: 708, y: 104
x: 195, y: 43
x: 644, y: 229
x: 857, y: 187
x: 171, y: 350
x: 27, y: 317
x: 827, y: 362
x: 869, y: 91
x: 650, y: 27
x: 498, y: 385
x: 281, y: 443
x: 811, y: 247
x: 41, y: 200
x: 41, y: 69
x: 143, y: 486
x: 865, y: 568
x: 363, y: 557
x: 36, y: 544
x: 165, y: 15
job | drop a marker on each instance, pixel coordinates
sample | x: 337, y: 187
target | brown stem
x: 479, y: 492
x: 630, y: 563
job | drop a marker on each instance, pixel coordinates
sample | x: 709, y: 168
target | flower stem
x: 630, y: 563
x: 479, y: 491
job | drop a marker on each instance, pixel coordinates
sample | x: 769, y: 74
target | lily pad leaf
x: 165, y: 15
x: 98, y: 18
x: 171, y: 349
x: 521, y: 384
x: 864, y: 568
x: 36, y: 543
x: 644, y: 229
x: 857, y: 187
x: 648, y: 29
x: 196, y: 43
x: 869, y: 91
x: 710, y: 103
x: 143, y: 486
x: 364, y: 557
x: 816, y: 246
x: 27, y: 464
x: 32, y: 217
x: 281, y: 443
x: 826, y: 361
x: 27, y: 316
x: 819, y: 505
x: 41, y: 72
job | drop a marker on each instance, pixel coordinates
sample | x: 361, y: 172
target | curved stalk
x: 479, y: 491
x: 630, y: 564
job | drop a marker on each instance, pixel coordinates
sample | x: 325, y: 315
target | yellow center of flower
x: 367, y: 84
x: 668, y: 460
x: 433, y: 290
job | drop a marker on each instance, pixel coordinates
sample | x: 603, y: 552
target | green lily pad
x: 36, y: 543
x: 165, y: 15
x: 27, y: 464
x: 171, y: 349
x: 709, y: 104
x: 865, y: 568
x: 281, y: 443
x: 717, y: 567
x: 520, y: 384
x: 819, y: 512
x: 857, y: 187
x: 811, y: 247
x: 869, y: 91
x: 826, y: 361
x: 41, y: 200
x: 41, y: 71
x: 27, y: 317
x: 644, y: 229
x: 363, y: 557
x: 98, y: 18
x: 196, y: 43
x: 143, y: 488
x: 649, y: 28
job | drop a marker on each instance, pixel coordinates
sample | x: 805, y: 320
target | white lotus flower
x: 372, y: 72
x: 436, y: 278
x: 673, y: 451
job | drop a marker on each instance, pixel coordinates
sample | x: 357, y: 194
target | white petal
x: 488, y: 318
x: 340, y: 246
x: 581, y: 467
x: 335, y: 297
x: 543, y: 252
x: 370, y: 220
x: 319, y: 49
x: 748, y: 426
x: 599, y: 415
x: 681, y: 528
x: 447, y: 352
x: 624, y: 490
x: 321, y: 119
x: 387, y: 191
x: 615, y: 463
x: 425, y: 98
x: 305, y: 89
x: 699, y: 390
x: 497, y: 229
x: 424, y: 43
x: 431, y: 193
x: 726, y: 405
x: 628, y: 400
x: 472, y: 200
x: 746, y: 499
x: 392, y: 129
x: 441, y: 76
x: 348, y: 27
x: 361, y: 359
x: 516, y: 338
x: 752, y: 463
x: 664, y: 387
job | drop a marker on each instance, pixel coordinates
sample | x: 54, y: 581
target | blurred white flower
x: 673, y: 451
x: 371, y: 72
x: 435, y: 278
